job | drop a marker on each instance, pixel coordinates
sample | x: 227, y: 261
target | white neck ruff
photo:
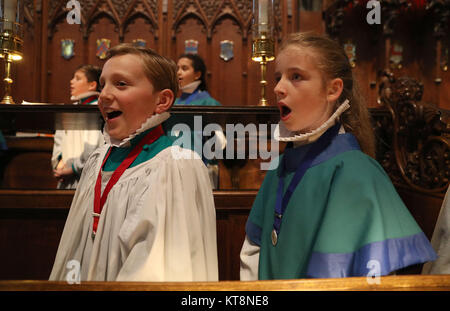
x: 283, y: 134
x: 84, y: 95
x: 191, y: 87
x: 153, y: 121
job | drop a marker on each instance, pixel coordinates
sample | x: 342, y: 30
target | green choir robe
x: 344, y: 218
x: 197, y: 98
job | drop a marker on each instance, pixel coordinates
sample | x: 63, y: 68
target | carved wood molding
x: 211, y: 12
x: 337, y: 11
x: 29, y: 12
x: 390, y: 10
x: 335, y: 14
x: 416, y: 138
x: 441, y: 12
x: 121, y: 12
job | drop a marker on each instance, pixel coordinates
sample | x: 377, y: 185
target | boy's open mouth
x: 113, y: 114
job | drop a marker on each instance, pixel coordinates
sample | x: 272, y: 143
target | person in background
x: 72, y: 148
x: 192, y: 80
x: 328, y: 210
x: 191, y: 73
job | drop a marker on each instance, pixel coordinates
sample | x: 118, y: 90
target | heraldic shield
x: 226, y: 50
x: 67, y: 48
x: 103, y: 46
x: 140, y: 42
x: 191, y: 46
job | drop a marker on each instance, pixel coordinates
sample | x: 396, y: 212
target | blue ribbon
x: 317, y: 148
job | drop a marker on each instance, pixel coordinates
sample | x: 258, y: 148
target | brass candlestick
x: 263, y: 52
x: 263, y: 44
x: 10, y: 40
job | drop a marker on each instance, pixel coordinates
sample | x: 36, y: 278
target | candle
x: 263, y: 16
x: 10, y: 10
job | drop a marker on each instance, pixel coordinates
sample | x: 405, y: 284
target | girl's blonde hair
x: 161, y: 71
x: 333, y: 63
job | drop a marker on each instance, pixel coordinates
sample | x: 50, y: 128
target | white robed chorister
x: 158, y: 222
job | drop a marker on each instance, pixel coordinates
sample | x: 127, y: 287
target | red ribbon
x: 89, y: 100
x: 100, y: 199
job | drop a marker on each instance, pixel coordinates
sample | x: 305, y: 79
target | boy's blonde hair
x: 333, y: 63
x: 160, y: 70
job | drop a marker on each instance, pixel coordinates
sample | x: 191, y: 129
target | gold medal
x: 274, y: 237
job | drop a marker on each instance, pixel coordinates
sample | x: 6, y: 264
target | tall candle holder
x: 263, y: 44
x: 10, y: 40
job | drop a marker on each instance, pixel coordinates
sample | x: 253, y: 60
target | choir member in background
x: 72, y: 148
x: 191, y: 73
x: 192, y: 80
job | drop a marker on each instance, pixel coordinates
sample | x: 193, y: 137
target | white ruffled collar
x: 153, y: 121
x: 191, y: 87
x: 84, y: 95
x: 281, y: 133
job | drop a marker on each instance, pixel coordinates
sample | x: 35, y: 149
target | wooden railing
x: 385, y: 283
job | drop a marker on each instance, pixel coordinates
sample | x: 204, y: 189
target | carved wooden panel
x: 418, y: 147
x: 420, y: 28
x: 60, y: 70
x: 103, y: 28
x: 210, y: 12
x: 141, y: 28
x: 24, y: 86
x: 226, y: 77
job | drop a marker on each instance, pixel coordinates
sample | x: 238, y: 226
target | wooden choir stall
x: 402, y: 74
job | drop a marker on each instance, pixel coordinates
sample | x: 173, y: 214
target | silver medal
x: 274, y: 237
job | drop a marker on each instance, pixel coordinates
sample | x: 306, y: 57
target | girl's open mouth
x: 285, y: 111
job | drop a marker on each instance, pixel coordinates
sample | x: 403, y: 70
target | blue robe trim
x: 389, y: 255
x: 253, y: 232
x: 187, y: 98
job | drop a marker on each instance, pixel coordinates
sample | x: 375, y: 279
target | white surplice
x: 158, y: 223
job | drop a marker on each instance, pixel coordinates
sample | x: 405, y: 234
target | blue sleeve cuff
x: 380, y: 258
x: 253, y: 232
